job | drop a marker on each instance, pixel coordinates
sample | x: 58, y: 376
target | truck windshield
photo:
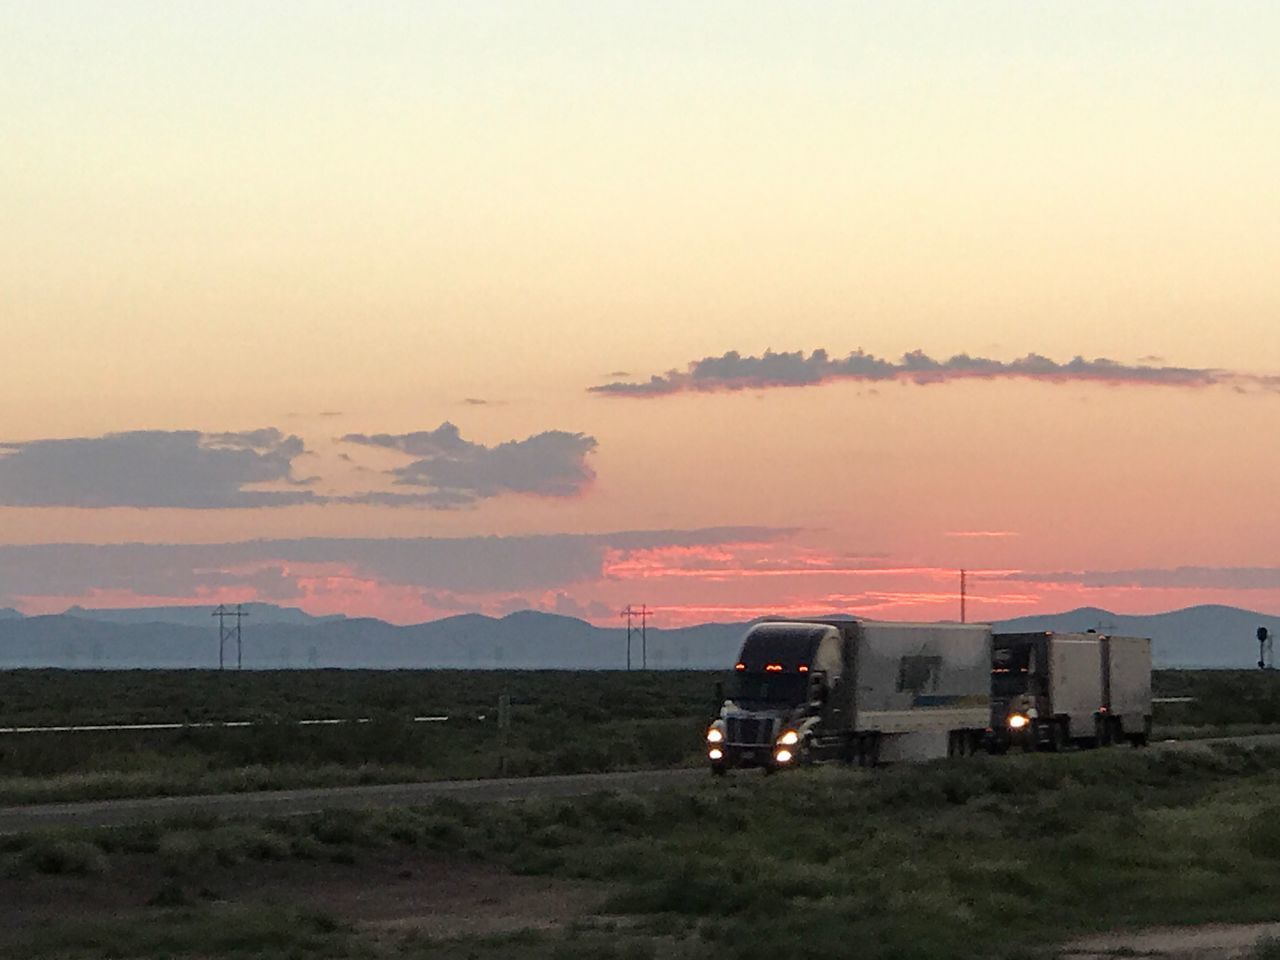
x: 776, y: 688
x: 1010, y: 670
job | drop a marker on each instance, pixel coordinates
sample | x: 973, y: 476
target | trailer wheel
x: 868, y: 749
x: 1101, y: 732
x: 1142, y: 738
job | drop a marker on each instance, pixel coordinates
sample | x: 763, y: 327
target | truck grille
x: 750, y: 731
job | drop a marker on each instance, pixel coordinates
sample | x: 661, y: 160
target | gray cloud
x: 1204, y: 578
x: 455, y: 472
x: 733, y: 371
x: 453, y: 565
x: 153, y: 468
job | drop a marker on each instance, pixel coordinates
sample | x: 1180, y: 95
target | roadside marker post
x: 504, y: 728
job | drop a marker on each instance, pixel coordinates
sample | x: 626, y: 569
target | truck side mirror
x: 817, y: 689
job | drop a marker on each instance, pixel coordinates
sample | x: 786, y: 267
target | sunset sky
x: 411, y: 309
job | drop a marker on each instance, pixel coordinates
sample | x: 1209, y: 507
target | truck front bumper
x: 742, y: 755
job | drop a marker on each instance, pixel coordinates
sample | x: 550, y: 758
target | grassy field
x: 980, y: 857
x: 562, y: 722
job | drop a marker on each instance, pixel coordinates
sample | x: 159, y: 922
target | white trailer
x: 1126, y: 689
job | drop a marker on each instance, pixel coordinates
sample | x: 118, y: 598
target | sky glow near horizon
x: 416, y: 309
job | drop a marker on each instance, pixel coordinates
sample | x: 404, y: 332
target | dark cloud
x: 1174, y: 578
x: 733, y: 371
x: 450, y: 565
x: 153, y: 468
x: 188, y: 469
x: 454, y: 472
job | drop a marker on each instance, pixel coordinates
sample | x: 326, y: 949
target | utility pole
x: 226, y: 633
x: 962, y: 596
x: 644, y: 637
x: 642, y: 612
x: 628, y: 613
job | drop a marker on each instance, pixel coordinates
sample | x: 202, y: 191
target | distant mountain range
x: 284, y: 637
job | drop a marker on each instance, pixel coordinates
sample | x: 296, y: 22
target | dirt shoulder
x: 1214, y: 941
x: 435, y: 896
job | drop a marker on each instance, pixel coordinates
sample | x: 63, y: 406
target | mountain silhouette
x: 287, y: 638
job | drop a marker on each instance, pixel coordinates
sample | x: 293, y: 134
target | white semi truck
x: 1049, y: 690
x: 854, y: 690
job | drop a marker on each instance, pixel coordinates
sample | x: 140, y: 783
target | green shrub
x: 54, y: 853
x: 1262, y: 833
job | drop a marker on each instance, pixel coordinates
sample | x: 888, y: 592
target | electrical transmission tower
x: 226, y: 633
x: 642, y: 613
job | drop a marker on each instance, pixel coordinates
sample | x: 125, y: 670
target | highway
x: 278, y: 803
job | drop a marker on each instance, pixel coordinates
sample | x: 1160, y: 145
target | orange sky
x: 340, y: 223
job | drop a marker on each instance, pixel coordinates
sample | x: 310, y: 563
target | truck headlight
x: 715, y: 753
x: 782, y: 756
x: 1017, y: 722
x: 789, y: 738
x: 715, y: 735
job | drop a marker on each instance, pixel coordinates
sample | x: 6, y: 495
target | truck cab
x: 784, y: 702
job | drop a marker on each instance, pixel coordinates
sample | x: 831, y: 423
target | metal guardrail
x: 202, y: 725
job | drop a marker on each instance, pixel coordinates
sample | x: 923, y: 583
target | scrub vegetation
x: 998, y: 857
x: 562, y: 722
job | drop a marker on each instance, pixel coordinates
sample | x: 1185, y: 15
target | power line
x: 642, y: 613
x: 226, y: 633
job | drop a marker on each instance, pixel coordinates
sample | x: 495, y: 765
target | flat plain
x: 1000, y: 857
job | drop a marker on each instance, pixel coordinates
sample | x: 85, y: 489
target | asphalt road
x: 277, y: 803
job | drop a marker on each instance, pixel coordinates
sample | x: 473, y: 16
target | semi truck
x: 1051, y: 690
x: 854, y: 690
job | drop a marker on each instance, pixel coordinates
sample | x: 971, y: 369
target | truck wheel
x: 867, y: 749
x: 1058, y: 738
x: 807, y: 755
